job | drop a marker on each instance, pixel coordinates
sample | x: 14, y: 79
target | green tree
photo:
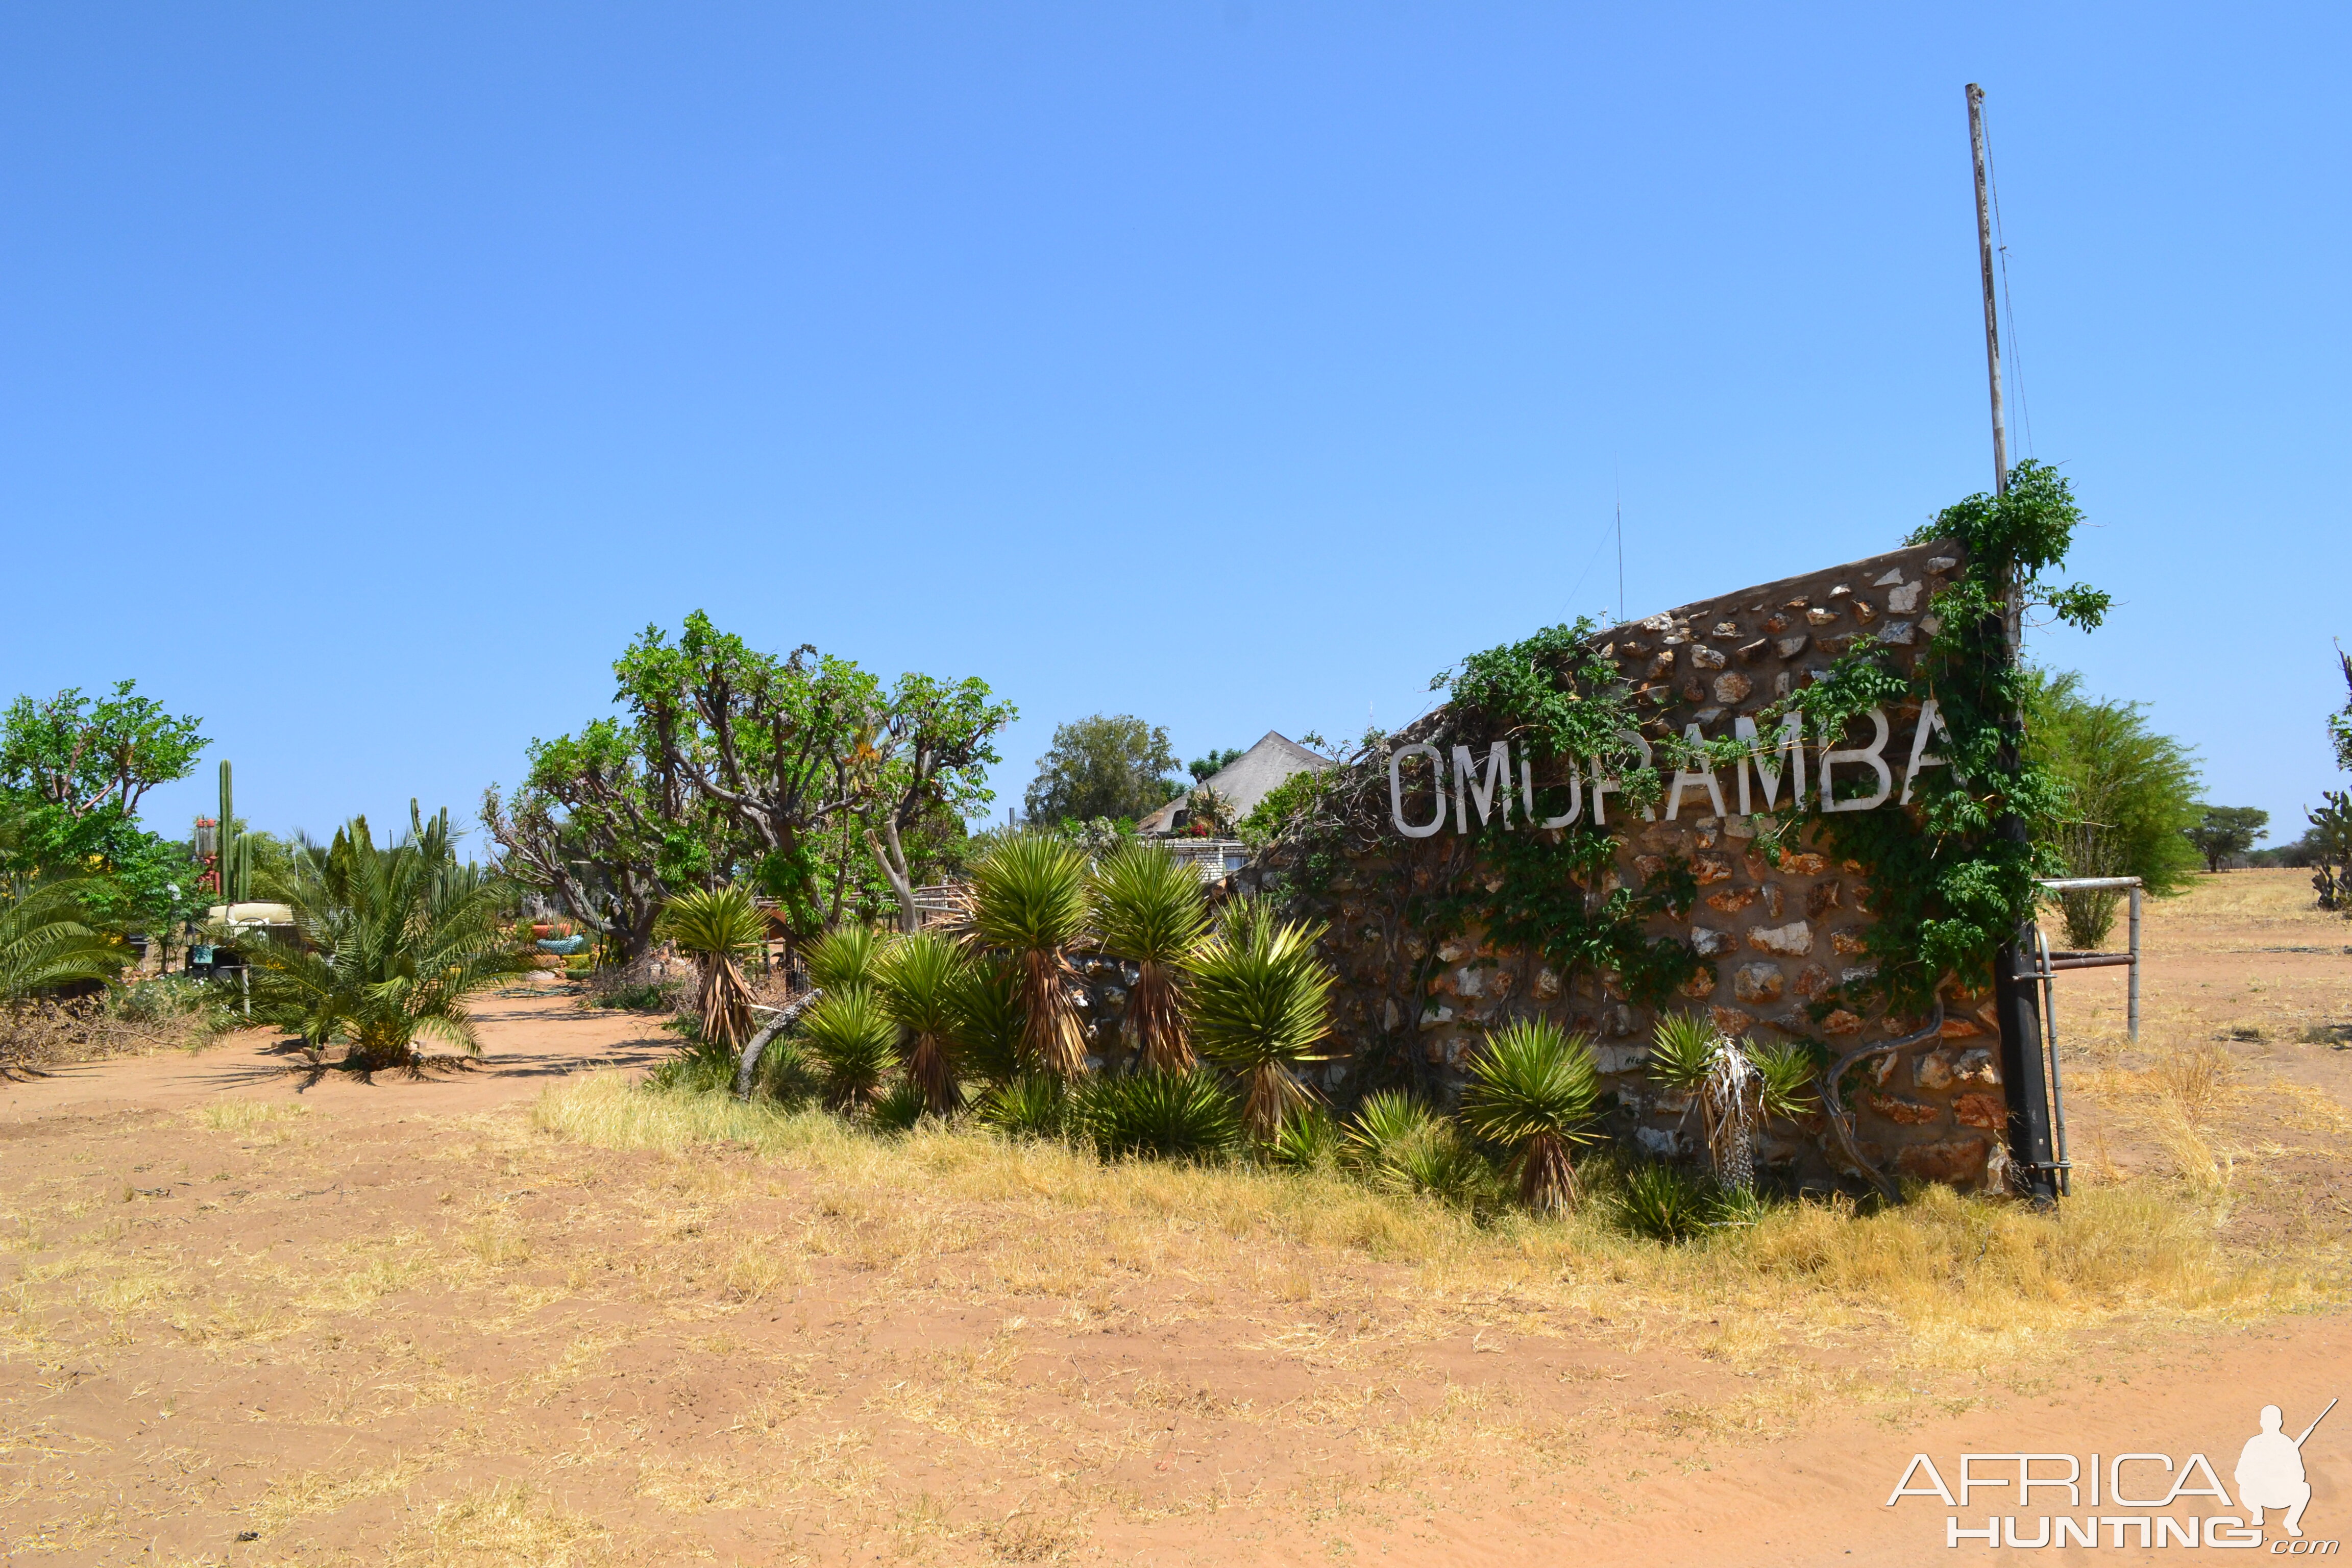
x: 2129, y: 796
x: 389, y: 945
x: 602, y: 823
x: 1216, y: 762
x: 925, y: 757
x: 1110, y: 766
x: 2340, y: 725
x: 82, y: 755
x: 777, y: 744
x: 73, y: 771
x: 2226, y: 830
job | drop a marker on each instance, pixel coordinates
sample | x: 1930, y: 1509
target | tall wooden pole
x: 2024, y: 1075
x: 1984, y: 263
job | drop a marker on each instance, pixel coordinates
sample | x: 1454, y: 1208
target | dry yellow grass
x: 1987, y: 1276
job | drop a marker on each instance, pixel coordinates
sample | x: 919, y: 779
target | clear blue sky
x: 374, y: 372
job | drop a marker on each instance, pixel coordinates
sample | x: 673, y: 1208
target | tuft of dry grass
x: 246, y: 1116
x: 500, y: 1525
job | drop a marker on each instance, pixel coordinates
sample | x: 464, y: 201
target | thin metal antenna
x: 1621, y: 552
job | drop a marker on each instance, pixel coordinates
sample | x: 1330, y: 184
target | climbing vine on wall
x: 1952, y: 876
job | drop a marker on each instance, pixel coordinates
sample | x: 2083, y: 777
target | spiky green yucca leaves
x: 1308, y: 1141
x: 1399, y: 1145
x: 44, y: 943
x: 1787, y: 1070
x: 855, y: 1044
x: 1029, y: 902
x: 719, y: 927
x: 1681, y: 1051
x: 389, y: 945
x: 1148, y: 909
x: 1259, y: 1004
x: 918, y: 979
x: 984, y: 1008
x: 1536, y: 1090
x: 1027, y: 1105
x: 1168, y: 1115
x: 1664, y: 1204
x: 847, y: 957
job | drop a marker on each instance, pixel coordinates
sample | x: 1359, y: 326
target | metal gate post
x: 2026, y: 1090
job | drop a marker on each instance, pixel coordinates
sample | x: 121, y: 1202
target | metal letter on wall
x: 1396, y: 788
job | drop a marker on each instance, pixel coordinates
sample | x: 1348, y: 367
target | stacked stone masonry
x: 1776, y: 937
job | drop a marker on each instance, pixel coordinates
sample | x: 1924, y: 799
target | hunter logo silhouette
x: 2270, y: 1470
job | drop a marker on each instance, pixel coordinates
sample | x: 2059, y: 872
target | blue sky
x: 375, y: 374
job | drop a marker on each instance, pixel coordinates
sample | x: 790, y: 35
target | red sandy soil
x: 340, y: 1330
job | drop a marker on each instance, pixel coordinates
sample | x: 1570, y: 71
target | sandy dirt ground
x: 248, y: 1315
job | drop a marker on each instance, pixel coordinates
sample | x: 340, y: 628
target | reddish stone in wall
x: 1958, y: 1161
x: 1985, y: 1111
x: 1901, y: 1111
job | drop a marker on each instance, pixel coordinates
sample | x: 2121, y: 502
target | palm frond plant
x: 918, y: 981
x: 1536, y: 1090
x: 1259, y: 1004
x: 898, y: 1108
x: 1168, y: 1115
x: 1029, y: 902
x: 1149, y: 909
x: 389, y: 942
x: 855, y: 1044
x: 719, y: 927
x: 46, y: 939
x: 986, y: 1020
x: 1690, y: 1055
x: 848, y: 956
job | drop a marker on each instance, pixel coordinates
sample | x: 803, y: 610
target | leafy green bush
x: 1170, y: 1115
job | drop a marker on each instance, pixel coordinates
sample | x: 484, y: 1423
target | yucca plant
x: 1259, y: 1004
x: 44, y: 941
x: 847, y: 957
x: 719, y: 927
x: 1663, y: 1203
x: 1535, y: 1091
x: 1308, y: 1141
x: 899, y: 1107
x: 1170, y: 1115
x: 918, y: 979
x: 855, y: 1044
x: 1690, y: 1055
x: 1149, y: 909
x: 985, y: 1017
x: 1027, y: 1105
x: 1399, y: 1145
x: 389, y: 943
x: 1029, y: 902
x: 1786, y: 1072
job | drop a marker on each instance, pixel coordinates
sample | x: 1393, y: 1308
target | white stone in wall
x: 1795, y: 939
x: 1905, y: 599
